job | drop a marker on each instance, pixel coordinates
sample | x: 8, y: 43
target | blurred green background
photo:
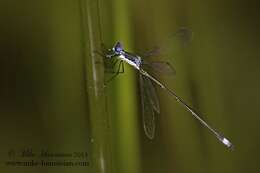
x: 52, y: 95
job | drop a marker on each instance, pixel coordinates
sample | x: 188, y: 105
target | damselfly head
x: 118, y: 48
x: 115, y: 51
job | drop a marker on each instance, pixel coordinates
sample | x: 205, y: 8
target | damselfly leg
x: 120, y: 69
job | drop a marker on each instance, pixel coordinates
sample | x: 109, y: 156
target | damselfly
x: 150, y: 104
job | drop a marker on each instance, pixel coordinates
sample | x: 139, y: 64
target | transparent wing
x: 150, y: 106
x: 178, y: 40
x: 159, y: 67
x: 151, y: 94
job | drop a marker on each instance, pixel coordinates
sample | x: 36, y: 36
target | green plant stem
x: 100, y: 154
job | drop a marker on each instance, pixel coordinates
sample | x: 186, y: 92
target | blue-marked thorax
x: 138, y: 61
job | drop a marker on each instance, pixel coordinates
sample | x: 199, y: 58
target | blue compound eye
x: 118, y: 47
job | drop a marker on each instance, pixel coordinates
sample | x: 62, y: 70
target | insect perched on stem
x: 150, y: 104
